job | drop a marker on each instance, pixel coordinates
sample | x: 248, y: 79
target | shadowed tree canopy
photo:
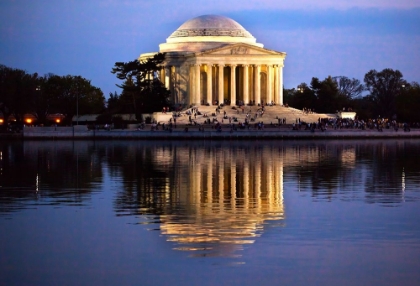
x: 326, y: 92
x: 384, y: 87
x: 348, y: 88
x: 302, y: 97
x: 142, y: 89
x: 17, y: 88
x: 408, y: 103
x: 72, y: 95
x: 23, y: 93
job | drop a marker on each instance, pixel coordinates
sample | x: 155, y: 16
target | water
x: 342, y: 212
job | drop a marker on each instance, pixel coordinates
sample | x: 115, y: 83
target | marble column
x: 246, y: 84
x: 257, y: 88
x: 221, y: 87
x: 276, y: 85
x: 269, y: 84
x: 280, y: 85
x: 197, y: 91
x: 167, y: 77
x: 173, y: 81
x: 209, y: 84
x: 232, y: 84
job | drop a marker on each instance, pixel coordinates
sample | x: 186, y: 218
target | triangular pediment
x: 239, y: 49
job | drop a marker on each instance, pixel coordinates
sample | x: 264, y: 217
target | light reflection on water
x: 226, y: 199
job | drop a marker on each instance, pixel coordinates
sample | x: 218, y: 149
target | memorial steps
x: 270, y: 115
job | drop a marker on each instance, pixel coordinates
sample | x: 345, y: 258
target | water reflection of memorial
x: 232, y: 193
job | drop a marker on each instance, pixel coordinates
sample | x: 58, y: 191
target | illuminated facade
x: 213, y: 59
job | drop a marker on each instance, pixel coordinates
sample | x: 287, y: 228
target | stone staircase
x: 270, y: 115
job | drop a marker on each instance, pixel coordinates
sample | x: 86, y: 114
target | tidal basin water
x: 337, y: 212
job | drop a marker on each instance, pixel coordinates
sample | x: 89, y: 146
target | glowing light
x: 57, y: 120
x: 29, y: 121
x: 1, y: 121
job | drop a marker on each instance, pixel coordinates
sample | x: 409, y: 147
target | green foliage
x: 348, y: 89
x: 142, y: 91
x: 22, y: 93
x: 74, y: 95
x: 17, y: 89
x: 113, y: 103
x: 302, y: 97
x: 408, y: 103
x: 384, y: 87
x: 364, y: 107
x: 326, y: 92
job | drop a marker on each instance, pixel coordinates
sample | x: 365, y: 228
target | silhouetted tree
x: 408, y: 103
x: 141, y: 88
x: 74, y: 94
x: 327, y: 95
x: 17, y: 87
x: 384, y: 87
x: 349, y: 88
x: 302, y: 97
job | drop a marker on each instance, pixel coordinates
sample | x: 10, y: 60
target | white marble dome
x: 211, y: 25
x: 207, y: 32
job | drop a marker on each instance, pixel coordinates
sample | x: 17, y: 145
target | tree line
x: 24, y: 93
x: 383, y: 94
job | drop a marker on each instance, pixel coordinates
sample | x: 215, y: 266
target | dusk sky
x: 321, y: 38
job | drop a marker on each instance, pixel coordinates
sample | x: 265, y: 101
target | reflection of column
x: 257, y: 89
x: 209, y: 83
x: 197, y: 79
x: 246, y: 184
x: 210, y: 180
x: 233, y: 183
x: 257, y: 183
x: 221, y: 185
x: 232, y: 84
x: 221, y: 87
x: 197, y: 179
x: 269, y: 84
x: 270, y: 178
x: 278, y: 182
x: 246, y: 88
x: 280, y: 190
x: 276, y: 85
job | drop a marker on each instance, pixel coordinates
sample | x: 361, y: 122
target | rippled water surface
x: 343, y: 212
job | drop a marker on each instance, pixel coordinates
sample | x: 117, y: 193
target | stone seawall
x: 273, y: 133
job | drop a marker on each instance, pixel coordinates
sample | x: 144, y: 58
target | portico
x: 212, y: 60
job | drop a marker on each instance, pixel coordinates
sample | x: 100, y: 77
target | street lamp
x: 300, y: 88
x: 77, y: 109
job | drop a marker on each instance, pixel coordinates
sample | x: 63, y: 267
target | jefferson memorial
x: 212, y: 60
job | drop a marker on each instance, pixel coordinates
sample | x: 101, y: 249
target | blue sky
x: 321, y: 38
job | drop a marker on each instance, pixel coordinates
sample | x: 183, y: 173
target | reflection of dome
x: 207, y: 32
x: 211, y: 25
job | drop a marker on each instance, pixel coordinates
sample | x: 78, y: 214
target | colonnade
x: 236, y: 83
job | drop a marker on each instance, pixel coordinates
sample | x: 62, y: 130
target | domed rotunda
x: 212, y: 59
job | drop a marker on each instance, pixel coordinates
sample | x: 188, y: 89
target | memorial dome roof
x: 211, y: 25
x: 205, y: 33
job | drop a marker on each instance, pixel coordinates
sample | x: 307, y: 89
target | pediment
x: 240, y: 49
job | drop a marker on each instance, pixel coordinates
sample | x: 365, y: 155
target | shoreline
x: 179, y: 133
